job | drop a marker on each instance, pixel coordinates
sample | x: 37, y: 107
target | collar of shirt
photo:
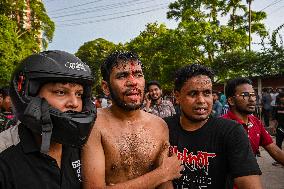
x: 248, y: 125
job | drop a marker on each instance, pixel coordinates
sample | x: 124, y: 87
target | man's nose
x: 73, y: 102
x: 200, y: 98
x: 131, y: 80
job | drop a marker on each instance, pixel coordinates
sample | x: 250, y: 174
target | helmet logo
x: 75, y: 66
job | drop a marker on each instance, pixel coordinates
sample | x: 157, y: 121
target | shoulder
x: 223, y: 125
x: 223, y: 122
x: 255, y: 120
x: 151, y: 119
x: 172, y: 121
x: 11, y: 154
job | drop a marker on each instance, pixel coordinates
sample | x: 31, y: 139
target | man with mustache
x: 242, y: 101
x: 127, y: 148
x: 213, y: 150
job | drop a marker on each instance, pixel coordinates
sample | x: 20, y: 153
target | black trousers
x: 279, y: 136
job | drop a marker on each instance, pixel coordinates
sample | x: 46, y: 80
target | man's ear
x: 231, y: 101
x: 105, y: 88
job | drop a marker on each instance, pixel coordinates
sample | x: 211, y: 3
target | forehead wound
x: 201, y: 80
x: 126, y: 64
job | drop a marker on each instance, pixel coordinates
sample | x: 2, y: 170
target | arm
x: 148, y: 103
x: 93, y: 161
x: 275, y: 152
x: 165, y: 153
x: 248, y: 182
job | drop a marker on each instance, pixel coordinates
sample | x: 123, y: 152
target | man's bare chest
x: 131, y: 153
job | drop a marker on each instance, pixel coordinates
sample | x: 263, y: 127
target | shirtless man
x: 127, y: 148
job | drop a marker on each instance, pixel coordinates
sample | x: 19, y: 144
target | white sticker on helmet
x: 75, y: 66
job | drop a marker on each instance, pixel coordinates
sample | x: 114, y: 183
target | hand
x: 171, y: 167
x: 147, y: 97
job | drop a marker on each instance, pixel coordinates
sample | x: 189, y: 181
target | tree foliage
x: 199, y: 38
x: 12, y: 48
x: 33, y: 23
x: 20, y: 37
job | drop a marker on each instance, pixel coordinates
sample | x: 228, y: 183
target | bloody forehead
x: 122, y: 64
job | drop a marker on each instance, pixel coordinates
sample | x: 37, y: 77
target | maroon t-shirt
x: 257, y: 134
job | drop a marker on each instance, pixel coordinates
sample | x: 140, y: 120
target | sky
x: 80, y: 21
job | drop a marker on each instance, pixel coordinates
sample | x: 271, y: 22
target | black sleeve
x: 5, y: 176
x: 242, y: 161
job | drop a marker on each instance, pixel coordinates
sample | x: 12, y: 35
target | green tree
x: 211, y: 11
x: 162, y: 52
x: 94, y: 53
x: 12, y: 49
x: 32, y: 20
x: 24, y: 27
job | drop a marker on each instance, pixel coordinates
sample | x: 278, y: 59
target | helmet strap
x: 46, y: 127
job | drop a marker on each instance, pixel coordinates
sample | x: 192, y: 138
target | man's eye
x: 207, y: 93
x: 60, y: 92
x: 121, y: 76
x: 79, y: 94
x: 192, y: 94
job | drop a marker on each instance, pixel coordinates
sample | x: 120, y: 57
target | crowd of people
x: 55, y: 134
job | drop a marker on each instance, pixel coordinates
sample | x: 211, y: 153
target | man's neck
x: 241, y: 116
x: 189, y: 125
x: 55, y: 151
x: 124, y: 114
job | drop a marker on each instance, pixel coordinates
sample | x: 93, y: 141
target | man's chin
x: 130, y: 106
x: 250, y: 111
x: 197, y: 118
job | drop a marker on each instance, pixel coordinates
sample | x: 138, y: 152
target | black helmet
x: 70, y: 128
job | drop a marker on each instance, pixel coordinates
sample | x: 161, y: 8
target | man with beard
x: 242, y: 101
x: 155, y: 103
x: 127, y: 148
x: 213, y: 150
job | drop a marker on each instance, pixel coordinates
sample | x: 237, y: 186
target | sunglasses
x: 247, y: 95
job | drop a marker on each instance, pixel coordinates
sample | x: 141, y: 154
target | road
x: 272, y: 176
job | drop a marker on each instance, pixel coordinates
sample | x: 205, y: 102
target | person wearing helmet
x: 51, y: 94
x: 128, y: 147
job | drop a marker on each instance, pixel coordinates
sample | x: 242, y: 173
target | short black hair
x: 113, y: 59
x: 153, y: 82
x: 231, y: 86
x: 189, y: 71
